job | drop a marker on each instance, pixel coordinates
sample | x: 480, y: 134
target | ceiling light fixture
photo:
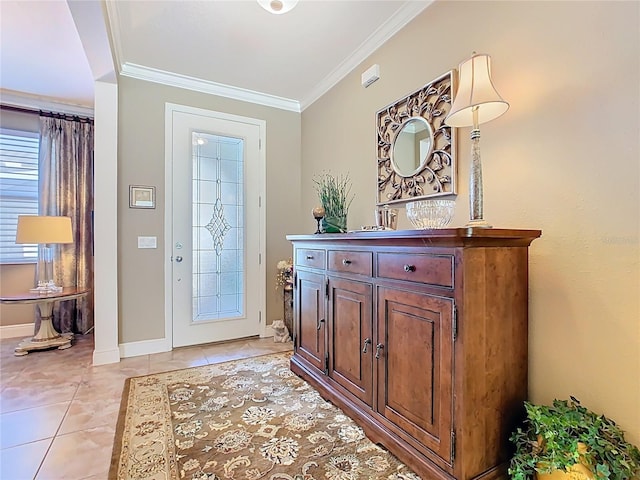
x: 278, y: 7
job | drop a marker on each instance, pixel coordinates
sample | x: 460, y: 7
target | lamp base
x: 478, y: 223
x: 47, y: 336
x: 45, y: 288
x: 62, y: 341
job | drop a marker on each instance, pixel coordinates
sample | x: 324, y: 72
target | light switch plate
x: 147, y: 242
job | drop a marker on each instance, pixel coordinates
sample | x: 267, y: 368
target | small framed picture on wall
x: 141, y: 196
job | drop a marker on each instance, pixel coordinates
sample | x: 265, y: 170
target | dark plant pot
x: 334, y: 224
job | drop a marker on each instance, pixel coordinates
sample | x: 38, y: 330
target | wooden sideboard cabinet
x: 420, y: 337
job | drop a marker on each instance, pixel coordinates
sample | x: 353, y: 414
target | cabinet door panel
x: 350, y: 313
x: 310, y: 318
x: 415, y: 374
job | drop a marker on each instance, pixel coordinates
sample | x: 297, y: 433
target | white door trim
x: 170, y: 108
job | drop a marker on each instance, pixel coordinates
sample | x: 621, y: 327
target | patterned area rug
x: 248, y: 419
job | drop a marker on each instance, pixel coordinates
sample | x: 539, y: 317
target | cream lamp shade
x: 44, y: 229
x: 475, y: 89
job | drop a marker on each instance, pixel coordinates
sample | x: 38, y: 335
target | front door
x: 217, y: 179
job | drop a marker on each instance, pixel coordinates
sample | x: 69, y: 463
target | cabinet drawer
x: 423, y: 268
x: 350, y: 262
x: 310, y: 258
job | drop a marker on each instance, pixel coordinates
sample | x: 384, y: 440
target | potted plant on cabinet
x: 334, y: 195
x: 568, y: 441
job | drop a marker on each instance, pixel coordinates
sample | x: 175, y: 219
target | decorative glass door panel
x: 216, y: 171
x: 218, y: 227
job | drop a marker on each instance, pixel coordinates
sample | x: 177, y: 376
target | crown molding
x: 113, y: 31
x: 163, y: 77
x: 183, y: 81
x: 36, y: 103
x: 394, y: 24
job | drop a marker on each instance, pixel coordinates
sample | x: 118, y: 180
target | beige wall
x: 564, y: 158
x: 15, y: 279
x: 141, y: 161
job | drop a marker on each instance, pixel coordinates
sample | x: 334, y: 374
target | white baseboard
x: 106, y: 356
x: 13, y: 331
x: 144, y: 347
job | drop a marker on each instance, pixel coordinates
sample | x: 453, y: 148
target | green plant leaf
x: 549, y: 436
x: 334, y: 193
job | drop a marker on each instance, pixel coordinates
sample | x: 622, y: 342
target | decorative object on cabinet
x: 142, y: 197
x: 573, y: 440
x: 46, y: 231
x: 335, y: 196
x: 386, y: 218
x: 435, y: 213
x: 318, y: 214
x: 476, y: 102
x: 416, y: 149
x: 421, y: 338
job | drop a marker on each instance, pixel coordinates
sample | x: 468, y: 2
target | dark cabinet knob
x: 409, y: 268
x: 378, y: 348
x: 366, y: 342
x: 346, y: 261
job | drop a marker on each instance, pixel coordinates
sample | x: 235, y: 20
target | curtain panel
x: 66, y: 189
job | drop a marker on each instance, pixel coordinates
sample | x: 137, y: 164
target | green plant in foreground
x: 334, y: 194
x: 549, y: 438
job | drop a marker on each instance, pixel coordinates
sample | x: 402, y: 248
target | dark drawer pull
x: 346, y: 262
x: 309, y: 257
x: 409, y: 268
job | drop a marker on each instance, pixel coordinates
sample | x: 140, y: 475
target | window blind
x: 18, y: 191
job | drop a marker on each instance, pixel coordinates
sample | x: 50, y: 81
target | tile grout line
x: 55, y: 435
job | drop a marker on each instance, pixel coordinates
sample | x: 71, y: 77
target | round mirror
x: 412, y: 147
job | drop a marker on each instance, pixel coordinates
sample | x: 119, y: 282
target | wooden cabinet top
x: 446, y: 237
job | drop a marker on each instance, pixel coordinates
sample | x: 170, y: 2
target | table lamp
x: 45, y: 231
x: 476, y: 102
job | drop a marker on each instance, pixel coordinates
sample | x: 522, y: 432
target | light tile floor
x: 58, y: 412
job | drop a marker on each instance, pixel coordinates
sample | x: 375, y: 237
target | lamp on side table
x: 46, y: 231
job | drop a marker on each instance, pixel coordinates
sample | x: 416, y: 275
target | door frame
x: 170, y: 108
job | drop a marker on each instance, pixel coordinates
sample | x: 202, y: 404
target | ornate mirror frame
x: 436, y: 175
